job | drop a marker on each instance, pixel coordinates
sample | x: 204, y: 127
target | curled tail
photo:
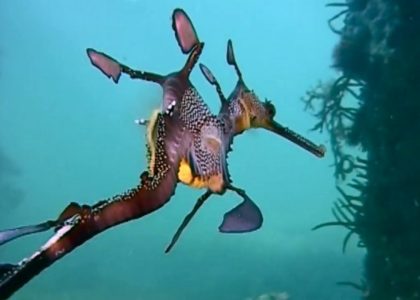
x: 85, y: 222
x: 79, y: 223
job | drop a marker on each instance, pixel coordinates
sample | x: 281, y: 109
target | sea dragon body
x: 185, y: 143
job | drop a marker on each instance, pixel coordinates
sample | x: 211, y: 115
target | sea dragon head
x: 244, y: 109
x: 254, y: 113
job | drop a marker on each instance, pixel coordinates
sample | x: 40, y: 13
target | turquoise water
x: 67, y: 134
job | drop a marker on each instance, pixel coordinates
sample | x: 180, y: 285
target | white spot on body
x: 68, y: 224
x: 63, y: 230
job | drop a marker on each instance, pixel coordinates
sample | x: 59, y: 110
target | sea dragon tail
x: 79, y: 223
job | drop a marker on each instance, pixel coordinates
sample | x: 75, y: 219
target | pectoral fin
x: 245, y: 217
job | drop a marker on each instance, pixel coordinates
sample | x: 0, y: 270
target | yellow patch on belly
x: 184, y: 172
x: 214, y: 182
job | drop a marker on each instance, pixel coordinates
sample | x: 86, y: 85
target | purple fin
x: 184, y: 31
x: 11, y: 234
x: 245, y: 217
x: 207, y: 73
x: 109, y: 66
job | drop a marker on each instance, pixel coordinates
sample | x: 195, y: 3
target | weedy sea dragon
x: 241, y: 111
x: 186, y: 143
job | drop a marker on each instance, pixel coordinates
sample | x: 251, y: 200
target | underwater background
x: 68, y: 134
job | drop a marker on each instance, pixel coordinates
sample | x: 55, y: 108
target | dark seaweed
x: 378, y: 57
